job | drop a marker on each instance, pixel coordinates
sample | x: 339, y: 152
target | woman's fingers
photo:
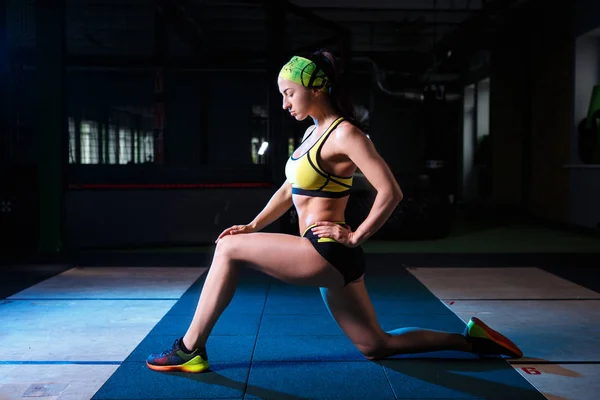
x: 226, y: 232
x: 234, y: 230
x: 339, y: 233
x: 331, y: 232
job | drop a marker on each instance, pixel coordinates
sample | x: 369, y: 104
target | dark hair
x: 338, y: 90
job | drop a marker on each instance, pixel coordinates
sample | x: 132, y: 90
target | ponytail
x: 338, y: 85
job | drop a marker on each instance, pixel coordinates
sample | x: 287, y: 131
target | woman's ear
x: 317, y: 92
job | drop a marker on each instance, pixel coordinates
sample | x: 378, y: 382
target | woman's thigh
x: 352, y: 309
x: 291, y: 259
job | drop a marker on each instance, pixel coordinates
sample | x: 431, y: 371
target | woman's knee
x: 226, y: 247
x: 375, y: 348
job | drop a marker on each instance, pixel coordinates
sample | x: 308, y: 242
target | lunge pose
x: 327, y: 253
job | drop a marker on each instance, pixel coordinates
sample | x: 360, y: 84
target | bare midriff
x: 314, y: 209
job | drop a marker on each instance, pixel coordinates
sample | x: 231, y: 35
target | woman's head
x: 305, y: 81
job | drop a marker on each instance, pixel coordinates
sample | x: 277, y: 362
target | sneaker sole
x: 181, y: 368
x: 498, y: 338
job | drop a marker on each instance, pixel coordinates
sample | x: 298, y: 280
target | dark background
x: 131, y: 123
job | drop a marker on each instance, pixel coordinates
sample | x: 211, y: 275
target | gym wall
x: 584, y: 188
x: 535, y: 101
x: 552, y: 111
x: 207, y: 141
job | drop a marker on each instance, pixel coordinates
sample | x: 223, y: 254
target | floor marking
x: 531, y: 371
x: 547, y: 362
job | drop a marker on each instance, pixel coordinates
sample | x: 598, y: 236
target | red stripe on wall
x: 169, y: 185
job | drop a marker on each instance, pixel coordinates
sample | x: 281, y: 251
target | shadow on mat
x: 212, y: 377
x: 458, y: 375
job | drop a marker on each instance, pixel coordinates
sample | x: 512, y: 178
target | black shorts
x: 350, y: 261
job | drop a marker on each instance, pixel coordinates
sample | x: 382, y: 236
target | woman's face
x: 296, y: 98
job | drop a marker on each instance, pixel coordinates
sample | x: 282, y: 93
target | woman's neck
x: 324, y: 117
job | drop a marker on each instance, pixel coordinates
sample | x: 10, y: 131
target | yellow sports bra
x: 307, y: 176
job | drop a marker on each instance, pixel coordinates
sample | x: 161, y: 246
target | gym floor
x: 82, y: 329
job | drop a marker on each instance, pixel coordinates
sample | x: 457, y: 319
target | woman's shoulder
x: 350, y: 138
x: 347, y: 130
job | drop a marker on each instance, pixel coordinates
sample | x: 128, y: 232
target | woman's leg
x: 352, y: 309
x: 289, y: 258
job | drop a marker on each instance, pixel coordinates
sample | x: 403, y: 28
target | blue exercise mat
x: 277, y: 341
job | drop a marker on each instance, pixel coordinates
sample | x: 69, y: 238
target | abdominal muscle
x: 314, y: 209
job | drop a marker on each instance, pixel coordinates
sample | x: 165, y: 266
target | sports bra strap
x: 307, y: 133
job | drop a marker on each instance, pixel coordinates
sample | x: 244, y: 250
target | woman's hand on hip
x: 340, y: 233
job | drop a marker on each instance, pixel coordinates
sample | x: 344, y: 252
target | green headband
x: 300, y: 70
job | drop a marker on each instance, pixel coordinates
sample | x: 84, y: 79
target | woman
x: 328, y: 253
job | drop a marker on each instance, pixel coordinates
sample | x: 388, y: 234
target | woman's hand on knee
x: 235, y: 230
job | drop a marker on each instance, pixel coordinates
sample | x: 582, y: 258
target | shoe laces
x: 173, y: 348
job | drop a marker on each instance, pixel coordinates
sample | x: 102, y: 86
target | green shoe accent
x: 486, y: 341
x: 196, y: 364
x: 474, y: 330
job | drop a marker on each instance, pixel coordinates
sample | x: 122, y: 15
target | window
x: 147, y: 148
x: 125, y: 138
x: 476, y: 131
x: 112, y: 145
x: 468, y: 127
x: 72, y: 142
x: 124, y: 145
x: 258, y: 134
x: 483, y: 109
x: 89, y: 142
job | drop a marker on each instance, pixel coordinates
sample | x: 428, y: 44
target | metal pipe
x: 405, y: 94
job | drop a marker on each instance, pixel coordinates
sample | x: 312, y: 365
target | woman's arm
x: 281, y: 200
x: 362, y: 152
x: 279, y: 203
